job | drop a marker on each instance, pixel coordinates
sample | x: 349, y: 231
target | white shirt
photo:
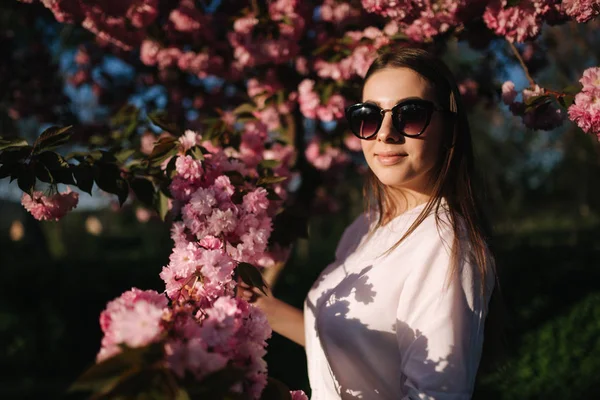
x: 386, y: 327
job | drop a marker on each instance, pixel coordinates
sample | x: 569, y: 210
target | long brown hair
x: 451, y: 180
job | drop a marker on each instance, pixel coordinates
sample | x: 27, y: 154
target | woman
x: 400, y: 313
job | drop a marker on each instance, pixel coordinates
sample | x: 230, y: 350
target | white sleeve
x: 439, y: 325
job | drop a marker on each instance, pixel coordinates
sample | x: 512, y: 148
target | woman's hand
x: 255, y: 296
x: 283, y: 318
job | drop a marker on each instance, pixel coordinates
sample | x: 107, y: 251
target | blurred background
x: 541, y: 191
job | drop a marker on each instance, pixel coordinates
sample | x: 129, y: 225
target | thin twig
x: 522, y: 62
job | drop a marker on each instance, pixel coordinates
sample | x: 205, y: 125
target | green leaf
x: 161, y: 204
x: 43, y: 173
x: 235, y: 177
x: 270, y: 163
x: 537, y: 101
x: 131, y: 127
x: 26, y: 178
x: 10, y: 143
x: 52, y: 160
x: 108, y: 178
x: 233, y: 139
x: 245, y: 108
x: 77, y: 155
x: 566, y: 101
x: 160, y: 119
x: 15, y: 155
x: 572, y: 89
x: 7, y: 170
x: 275, y: 390
x: 182, y: 394
x: 52, y: 137
x: 95, y: 155
x: 216, y: 385
x: 326, y: 94
x: 163, y: 149
x: 101, y: 378
x: 251, y: 276
x: 144, y: 190
x: 171, y: 170
x: 57, y: 166
x: 196, y: 153
x: 84, y: 174
x: 122, y: 155
x: 125, y: 113
x: 269, y: 180
x: 107, y: 156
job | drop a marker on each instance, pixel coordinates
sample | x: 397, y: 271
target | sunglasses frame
x: 429, y: 106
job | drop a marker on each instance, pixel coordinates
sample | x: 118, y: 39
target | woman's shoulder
x: 353, y: 235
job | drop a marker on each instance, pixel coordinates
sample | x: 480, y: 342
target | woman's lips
x: 389, y: 158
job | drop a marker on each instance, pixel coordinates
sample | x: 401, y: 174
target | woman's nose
x: 387, y: 133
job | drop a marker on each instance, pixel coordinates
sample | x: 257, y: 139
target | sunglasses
x: 410, y: 117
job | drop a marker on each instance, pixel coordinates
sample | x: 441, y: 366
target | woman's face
x: 399, y: 161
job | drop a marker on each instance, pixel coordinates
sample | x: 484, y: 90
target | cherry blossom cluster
x: 544, y: 116
x: 522, y: 21
x: 52, y: 207
x: 201, y: 325
x: 325, y: 157
x: 312, y: 107
x: 363, y: 46
x: 585, y: 112
x: 186, y: 24
x: 581, y: 10
x: 196, y: 341
x: 338, y: 12
x: 422, y: 20
x: 269, y: 88
x: 121, y: 23
x: 257, y: 40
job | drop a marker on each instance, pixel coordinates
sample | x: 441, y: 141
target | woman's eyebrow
x: 395, y: 101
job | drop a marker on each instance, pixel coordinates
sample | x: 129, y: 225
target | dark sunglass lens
x: 411, y: 119
x: 364, y: 121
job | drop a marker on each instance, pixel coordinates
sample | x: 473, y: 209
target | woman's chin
x: 396, y: 178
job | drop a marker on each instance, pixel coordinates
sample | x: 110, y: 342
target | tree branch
x: 522, y: 62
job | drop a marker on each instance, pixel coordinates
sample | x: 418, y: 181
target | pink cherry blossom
x: 137, y: 326
x: 133, y: 319
x: 245, y: 24
x: 186, y: 18
x: 298, y: 395
x: 308, y: 99
x: 591, y: 78
x: 149, y: 52
x: 326, y: 158
x: 352, y: 142
x: 585, y: 112
x: 147, y: 142
x: 53, y: 207
x: 338, y: 12
x: 143, y: 214
x: 396, y: 9
x: 256, y: 201
x: 142, y: 13
x: 194, y: 357
x: 210, y: 242
x: 581, y: 10
x: 189, y: 139
x: 508, y: 92
x: 517, y: 23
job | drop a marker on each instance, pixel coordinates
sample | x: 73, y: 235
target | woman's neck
x: 400, y: 200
